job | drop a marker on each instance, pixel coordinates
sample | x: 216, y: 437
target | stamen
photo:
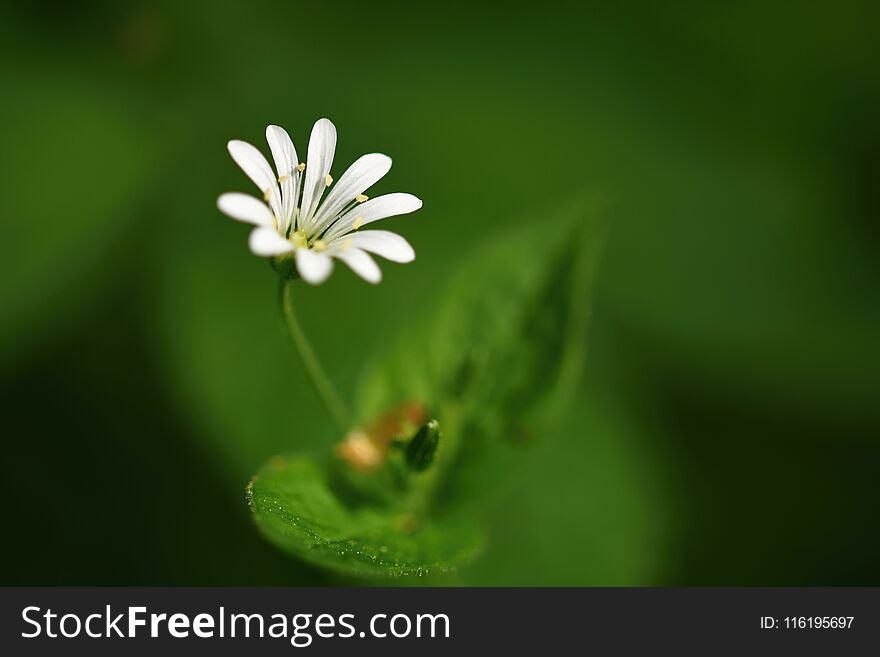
x: 282, y: 179
x: 358, y: 222
x: 319, y: 246
x: 360, y: 198
x: 267, y: 194
x: 300, y: 167
x: 298, y: 239
x: 328, y: 180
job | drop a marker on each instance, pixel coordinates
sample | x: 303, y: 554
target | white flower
x: 295, y: 221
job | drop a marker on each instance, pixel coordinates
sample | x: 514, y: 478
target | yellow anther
x: 358, y: 222
x: 346, y: 245
x: 282, y: 179
x: 328, y: 180
x: 298, y: 239
x: 300, y: 167
x: 267, y: 194
x: 319, y: 245
x: 360, y: 198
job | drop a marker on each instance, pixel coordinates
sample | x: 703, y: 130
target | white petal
x: 381, y: 242
x: 257, y: 169
x: 322, y: 147
x: 361, y: 264
x: 377, y: 208
x: 283, y: 150
x: 359, y: 177
x: 313, y: 267
x: 284, y: 154
x: 266, y: 242
x: 244, y: 207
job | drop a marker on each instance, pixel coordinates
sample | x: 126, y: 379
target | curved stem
x: 321, y: 382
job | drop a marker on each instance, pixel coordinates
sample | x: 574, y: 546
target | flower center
x: 298, y: 239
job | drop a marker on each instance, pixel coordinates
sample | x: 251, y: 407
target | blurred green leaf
x: 592, y: 507
x: 503, y: 353
x: 80, y: 159
x: 298, y: 505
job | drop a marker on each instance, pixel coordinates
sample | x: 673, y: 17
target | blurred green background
x: 727, y: 427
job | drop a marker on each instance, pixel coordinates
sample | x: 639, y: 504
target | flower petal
x: 266, y: 243
x: 284, y: 154
x: 246, y: 208
x: 313, y: 267
x: 258, y: 170
x: 377, y: 208
x: 359, y: 177
x: 322, y: 147
x: 361, y: 264
x: 381, y: 242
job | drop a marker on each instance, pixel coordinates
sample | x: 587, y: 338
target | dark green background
x: 727, y: 430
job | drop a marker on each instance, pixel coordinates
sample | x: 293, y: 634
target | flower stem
x: 321, y: 382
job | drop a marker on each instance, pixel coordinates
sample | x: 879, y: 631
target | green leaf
x: 303, y: 509
x: 592, y: 507
x: 503, y: 354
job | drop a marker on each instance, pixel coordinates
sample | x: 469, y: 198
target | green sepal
x: 285, y: 267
